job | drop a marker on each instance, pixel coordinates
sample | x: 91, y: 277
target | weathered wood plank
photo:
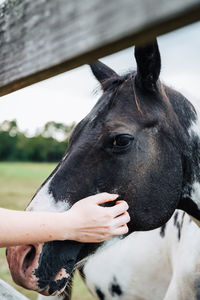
x: 9, y: 293
x: 42, y: 38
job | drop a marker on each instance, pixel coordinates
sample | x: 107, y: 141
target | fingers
x: 102, y: 235
x: 121, y: 220
x: 121, y: 230
x: 102, y: 198
x: 119, y: 208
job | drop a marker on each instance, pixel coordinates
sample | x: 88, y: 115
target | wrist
x: 68, y: 227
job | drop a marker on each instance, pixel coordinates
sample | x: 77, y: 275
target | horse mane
x: 115, y: 84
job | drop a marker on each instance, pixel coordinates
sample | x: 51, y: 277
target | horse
x: 141, y: 141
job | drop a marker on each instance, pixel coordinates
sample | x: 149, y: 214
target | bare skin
x: 86, y: 221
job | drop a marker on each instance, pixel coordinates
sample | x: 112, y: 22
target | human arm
x: 86, y: 221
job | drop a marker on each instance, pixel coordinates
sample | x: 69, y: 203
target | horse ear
x: 148, y: 65
x: 102, y: 72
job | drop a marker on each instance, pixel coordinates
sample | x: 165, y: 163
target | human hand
x: 91, y: 223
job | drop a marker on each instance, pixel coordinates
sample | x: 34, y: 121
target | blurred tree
x: 7, y: 146
x: 58, y: 131
x: 48, y: 145
x: 10, y: 127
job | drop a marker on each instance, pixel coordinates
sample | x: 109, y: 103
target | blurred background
x: 36, y: 122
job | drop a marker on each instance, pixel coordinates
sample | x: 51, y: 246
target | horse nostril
x: 29, y: 258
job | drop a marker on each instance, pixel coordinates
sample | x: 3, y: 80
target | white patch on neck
x: 126, y: 262
x: 195, y: 194
x: 44, y: 201
x: 195, y: 127
x: 193, y: 131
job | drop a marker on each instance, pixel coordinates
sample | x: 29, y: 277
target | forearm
x: 85, y: 221
x: 18, y: 227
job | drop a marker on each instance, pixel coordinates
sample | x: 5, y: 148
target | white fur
x: 195, y: 127
x: 194, y: 130
x: 195, y: 195
x: 44, y: 201
x: 147, y: 266
x: 130, y: 261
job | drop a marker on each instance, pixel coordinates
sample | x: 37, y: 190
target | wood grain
x: 9, y: 293
x: 42, y: 38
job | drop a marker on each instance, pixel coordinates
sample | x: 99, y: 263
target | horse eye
x: 122, y: 140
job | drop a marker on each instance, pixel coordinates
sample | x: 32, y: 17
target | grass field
x: 18, y: 183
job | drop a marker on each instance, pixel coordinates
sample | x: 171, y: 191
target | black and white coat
x: 161, y: 264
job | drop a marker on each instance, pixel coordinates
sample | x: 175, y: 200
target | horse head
x: 135, y: 142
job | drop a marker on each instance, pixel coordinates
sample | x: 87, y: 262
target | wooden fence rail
x: 42, y: 38
x: 9, y: 293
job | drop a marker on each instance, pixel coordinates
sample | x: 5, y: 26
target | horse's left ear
x: 148, y: 65
x: 102, y: 72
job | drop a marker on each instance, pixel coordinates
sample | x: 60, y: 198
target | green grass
x: 18, y: 183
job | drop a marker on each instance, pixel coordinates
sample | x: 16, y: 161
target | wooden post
x: 7, y: 292
x: 42, y: 38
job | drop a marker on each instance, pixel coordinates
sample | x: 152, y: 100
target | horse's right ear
x: 148, y: 65
x: 102, y: 72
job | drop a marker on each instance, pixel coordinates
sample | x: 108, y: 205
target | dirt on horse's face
x: 132, y: 143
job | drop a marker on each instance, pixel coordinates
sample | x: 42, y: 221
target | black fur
x: 179, y: 223
x: 162, y: 230
x: 197, y: 289
x: 100, y: 294
x: 148, y: 65
x: 115, y: 289
x: 55, y: 256
x: 102, y: 72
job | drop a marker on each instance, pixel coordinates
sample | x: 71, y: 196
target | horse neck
x: 190, y: 199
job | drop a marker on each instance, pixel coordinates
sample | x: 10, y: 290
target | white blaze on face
x: 44, y: 201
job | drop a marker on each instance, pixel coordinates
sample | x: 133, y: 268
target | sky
x: 70, y: 96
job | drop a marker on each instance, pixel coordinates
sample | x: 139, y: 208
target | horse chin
x: 47, y: 291
x: 57, y: 285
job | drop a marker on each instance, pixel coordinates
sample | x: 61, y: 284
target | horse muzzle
x: 23, y: 262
